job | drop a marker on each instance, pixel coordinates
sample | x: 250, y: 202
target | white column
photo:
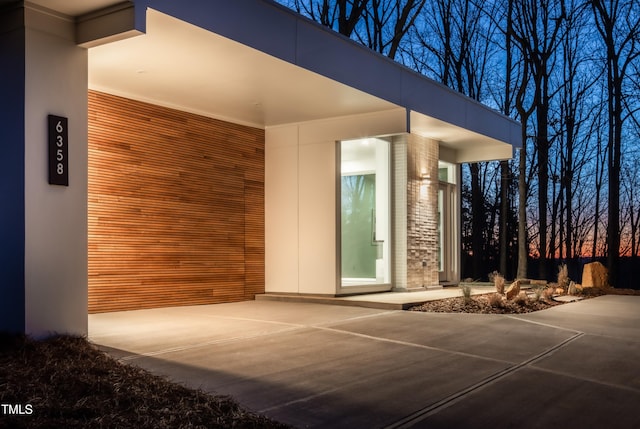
x: 55, y: 216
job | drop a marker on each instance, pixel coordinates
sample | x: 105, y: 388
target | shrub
x: 538, y: 292
x: 563, y: 277
x: 498, y: 281
x: 466, y: 292
x: 495, y: 300
x: 522, y: 299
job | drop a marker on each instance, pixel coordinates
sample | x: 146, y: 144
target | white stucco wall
x: 317, y: 217
x: 300, y: 198
x: 281, y: 210
x: 55, y: 216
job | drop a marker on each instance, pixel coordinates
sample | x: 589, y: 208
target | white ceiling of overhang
x: 73, y: 7
x: 180, y: 65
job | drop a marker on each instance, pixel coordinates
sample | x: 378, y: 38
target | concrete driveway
x: 325, y: 366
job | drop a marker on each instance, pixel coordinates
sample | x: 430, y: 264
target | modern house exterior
x: 163, y: 153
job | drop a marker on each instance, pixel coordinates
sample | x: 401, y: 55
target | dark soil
x: 69, y: 383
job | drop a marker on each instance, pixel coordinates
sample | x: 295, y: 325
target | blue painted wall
x: 12, y: 173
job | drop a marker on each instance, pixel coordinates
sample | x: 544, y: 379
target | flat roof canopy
x: 183, y: 66
x: 258, y: 63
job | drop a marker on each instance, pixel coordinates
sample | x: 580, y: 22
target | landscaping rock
x: 595, y: 275
x: 484, y: 304
x: 538, y: 282
x: 567, y: 298
x: 514, y: 290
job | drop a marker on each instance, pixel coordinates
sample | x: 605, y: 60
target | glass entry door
x: 440, y: 230
x: 446, y: 232
x: 360, y: 247
x: 364, y: 213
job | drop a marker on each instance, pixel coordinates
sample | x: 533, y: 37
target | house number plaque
x: 58, y: 151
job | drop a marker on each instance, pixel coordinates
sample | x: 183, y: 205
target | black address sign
x: 58, y: 151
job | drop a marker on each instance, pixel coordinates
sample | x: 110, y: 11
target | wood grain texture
x: 176, y: 207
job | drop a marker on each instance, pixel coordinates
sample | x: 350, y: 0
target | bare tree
x: 510, y: 90
x: 455, y: 45
x: 575, y: 110
x: 340, y: 15
x: 633, y: 169
x: 537, y: 30
x: 387, y: 23
x: 505, y: 168
x: 381, y: 25
x: 618, y: 23
x: 632, y: 211
x: 524, y: 113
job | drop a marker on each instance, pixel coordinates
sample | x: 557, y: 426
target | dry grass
x: 539, y: 292
x: 71, y: 384
x: 563, y: 277
x: 466, y: 292
x: 495, y: 300
x: 499, y: 281
x: 521, y: 299
x: 547, y: 293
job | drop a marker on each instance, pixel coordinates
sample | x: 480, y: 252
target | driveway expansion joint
x: 206, y: 343
x: 412, y: 419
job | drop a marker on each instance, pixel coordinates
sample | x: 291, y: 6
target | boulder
x: 513, y: 290
x: 595, y: 275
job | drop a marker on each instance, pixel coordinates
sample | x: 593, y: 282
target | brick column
x: 400, y: 213
x: 422, y: 212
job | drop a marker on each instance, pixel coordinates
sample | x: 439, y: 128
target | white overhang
x: 179, y: 65
x: 255, y: 62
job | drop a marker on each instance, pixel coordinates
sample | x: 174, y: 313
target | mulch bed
x: 481, y: 304
x: 68, y: 383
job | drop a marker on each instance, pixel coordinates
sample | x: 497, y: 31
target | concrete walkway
x: 328, y: 366
x: 383, y: 300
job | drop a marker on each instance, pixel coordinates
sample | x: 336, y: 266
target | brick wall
x: 422, y: 212
x: 400, y: 212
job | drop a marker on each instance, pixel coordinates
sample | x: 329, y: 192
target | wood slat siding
x: 176, y: 207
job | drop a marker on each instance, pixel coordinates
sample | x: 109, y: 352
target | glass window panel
x: 446, y: 172
x: 365, y: 212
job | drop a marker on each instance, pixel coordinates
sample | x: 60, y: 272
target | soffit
x: 450, y: 135
x: 73, y: 8
x: 179, y: 65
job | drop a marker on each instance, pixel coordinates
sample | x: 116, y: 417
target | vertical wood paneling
x: 176, y: 207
